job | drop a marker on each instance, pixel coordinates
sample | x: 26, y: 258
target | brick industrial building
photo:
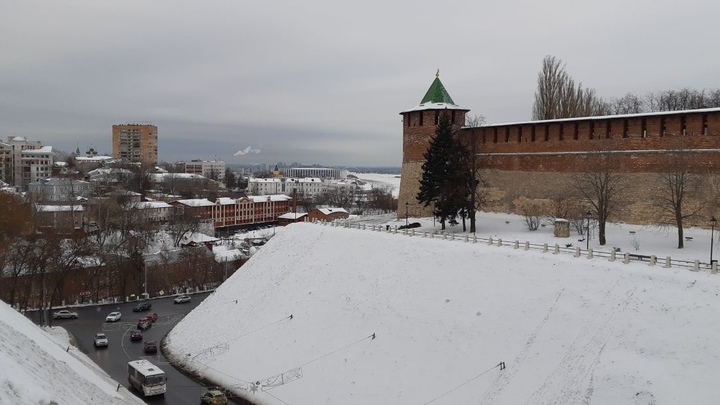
x: 535, y: 160
x: 135, y: 143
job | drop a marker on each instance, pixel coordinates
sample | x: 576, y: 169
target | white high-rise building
x: 23, y: 162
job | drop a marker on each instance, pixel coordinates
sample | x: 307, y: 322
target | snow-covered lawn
x: 332, y: 315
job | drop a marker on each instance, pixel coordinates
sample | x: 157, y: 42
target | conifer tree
x: 443, y: 183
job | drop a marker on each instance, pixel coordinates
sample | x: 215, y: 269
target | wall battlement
x: 516, y: 156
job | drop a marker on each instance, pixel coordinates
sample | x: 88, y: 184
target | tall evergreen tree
x: 443, y: 183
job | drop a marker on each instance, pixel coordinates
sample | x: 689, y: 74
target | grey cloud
x: 321, y: 81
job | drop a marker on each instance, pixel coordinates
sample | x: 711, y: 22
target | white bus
x: 146, y: 378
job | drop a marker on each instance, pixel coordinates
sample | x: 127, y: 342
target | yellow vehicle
x: 213, y: 397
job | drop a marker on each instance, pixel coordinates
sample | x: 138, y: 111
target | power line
x: 372, y: 337
x: 501, y: 365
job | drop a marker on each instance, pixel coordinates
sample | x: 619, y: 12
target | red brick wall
x: 511, y: 147
x: 643, y: 144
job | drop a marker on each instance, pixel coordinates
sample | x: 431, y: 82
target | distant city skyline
x: 321, y: 81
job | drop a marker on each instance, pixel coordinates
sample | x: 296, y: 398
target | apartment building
x: 212, y: 169
x: 23, y: 162
x: 135, y: 143
x: 320, y: 172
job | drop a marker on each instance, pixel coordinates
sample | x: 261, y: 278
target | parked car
x: 65, y: 314
x: 143, y: 306
x: 136, y: 335
x: 113, y: 317
x: 182, y: 299
x: 150, y: 346
x: 152, y: 316
x: 213, y: 397
x: 100, y: 340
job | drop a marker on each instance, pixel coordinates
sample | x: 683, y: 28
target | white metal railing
x: 612, y: 255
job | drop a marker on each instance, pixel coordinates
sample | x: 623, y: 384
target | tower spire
x: 437, y: 73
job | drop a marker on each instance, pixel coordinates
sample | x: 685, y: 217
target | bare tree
x: 627, y: 104
x: 182, y: 223
x: 682, y: 99
x: 557, y: 95
x: 675, y: 184
x: 381, y: 199
x: 601, y: 188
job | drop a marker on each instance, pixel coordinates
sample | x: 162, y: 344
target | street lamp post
x: 713, y: 222
x: 587, y: 236
x: 406, y: 215
x: 145, y: 295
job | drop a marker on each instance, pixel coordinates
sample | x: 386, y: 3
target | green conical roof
x: 437, y: 93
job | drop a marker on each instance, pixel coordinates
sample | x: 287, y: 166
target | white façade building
x: 55, y: 189
x: 307, y: 187
x: 23, y: 162
x: 212, y: 169
x: 320, y: 172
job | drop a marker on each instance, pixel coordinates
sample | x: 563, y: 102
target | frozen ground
x: 332, y: 315
x: 39, y: 367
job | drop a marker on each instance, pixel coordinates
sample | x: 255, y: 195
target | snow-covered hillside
x: 37, y: 368
x: 331, y: 315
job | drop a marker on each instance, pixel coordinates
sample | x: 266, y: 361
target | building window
x: 625, y: 128
x: 452, y: 117
x: 576, y: 132
x: 532, y: 133
x: 592, y: 129
x: 643, y: 127
x: 495, y: 135
x: 519, y: 134
x: 507, y: 134
x: 662, y: 126
x: 561, y: 129
x: 437, y: 118
x: 547, y: 132
x: 705, y: 124
x: 683, y: 124
x: 607, y: 130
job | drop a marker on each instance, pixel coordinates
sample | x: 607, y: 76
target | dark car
x: 143, y: 306
x: 144, y: 323
x: 152, y: 316
x: 136, y: 335
x: 150, y: 346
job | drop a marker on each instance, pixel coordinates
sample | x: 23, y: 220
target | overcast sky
x: 321, y: 81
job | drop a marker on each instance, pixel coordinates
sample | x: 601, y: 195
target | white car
x: 100, y: 340
x: 113, y: 317
x: 182, y: 299
x: 65, y: 314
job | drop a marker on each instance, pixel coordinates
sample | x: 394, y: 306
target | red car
x: 152, y: 316
x: 150, y: 346
x: 144, y: 323
x: 136, y: 335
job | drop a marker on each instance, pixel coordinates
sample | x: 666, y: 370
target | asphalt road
x: 113, y: 359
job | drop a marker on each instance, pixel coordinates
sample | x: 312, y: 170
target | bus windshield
x: 155, y: 379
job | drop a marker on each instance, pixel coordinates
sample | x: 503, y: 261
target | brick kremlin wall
x: 536, y: 160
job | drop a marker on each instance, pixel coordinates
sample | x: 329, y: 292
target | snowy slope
x: 445, y: 316
x: 38, y: 369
